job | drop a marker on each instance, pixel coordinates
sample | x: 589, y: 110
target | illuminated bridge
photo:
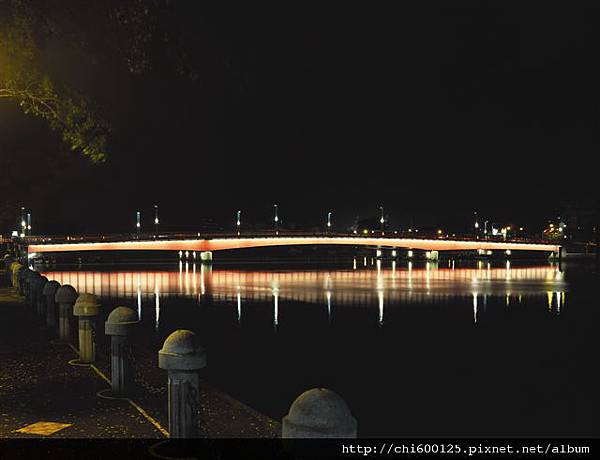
x: 206, y: 245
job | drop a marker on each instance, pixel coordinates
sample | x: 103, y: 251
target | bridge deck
x: 219, y: 244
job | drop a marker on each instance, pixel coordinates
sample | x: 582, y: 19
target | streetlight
x: 276, y: 220
x: 156, y: 220
x: 328, y: 221
x: 29, y: 223
x: 382, y: 220
x: 476, y: 225
x: 238, y: 222
x: 23, y: 223
x: 138, y: 224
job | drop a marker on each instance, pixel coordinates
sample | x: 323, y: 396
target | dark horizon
x: 432, y: 111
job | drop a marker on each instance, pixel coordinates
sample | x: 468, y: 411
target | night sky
x: 433, y: 112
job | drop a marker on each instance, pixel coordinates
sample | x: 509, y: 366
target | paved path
x: 37, y: 384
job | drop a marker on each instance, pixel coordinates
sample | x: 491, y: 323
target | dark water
x: 455, y: 349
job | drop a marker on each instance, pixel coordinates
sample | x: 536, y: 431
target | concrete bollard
x: 24, y: 274
x: 40, y: 301
x: 65, y: 298
x: 49, y: 292
x: 29, y: 281
x: 15, y: 269
x: 319, y: 413
x: 8, y: 261
x: 11, y: 272
x: 119, y: 325
x: 86, y: 308
x: 182, y: 356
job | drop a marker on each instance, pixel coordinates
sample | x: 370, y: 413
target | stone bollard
x: 119, y: 325
x: 24, y: 274
x: 319, y: 413
x: 86, y: 309
x: 182, y: 356
x: 15, y: 269
x: 8, y: 261
x: 30, y: 281
x: 38, y: 289
x: 49, y: 292
x: 65, y: 298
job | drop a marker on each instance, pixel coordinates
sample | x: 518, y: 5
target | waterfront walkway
x: 42, y: 395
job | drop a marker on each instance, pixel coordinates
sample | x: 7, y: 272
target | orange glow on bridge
x: 219, y: 244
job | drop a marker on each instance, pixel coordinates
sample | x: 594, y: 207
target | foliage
x: 26, y: 78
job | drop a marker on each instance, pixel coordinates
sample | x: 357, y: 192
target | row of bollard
x: 316, y: 413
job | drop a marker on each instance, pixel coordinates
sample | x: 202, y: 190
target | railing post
x: 86, y: 308
x: 182, y: 356
x: 65, y: 297
x: 120, y: 325
x: 319, y: 413
x: 49, y: 292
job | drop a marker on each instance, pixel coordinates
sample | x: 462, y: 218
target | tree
x: 26, y: 77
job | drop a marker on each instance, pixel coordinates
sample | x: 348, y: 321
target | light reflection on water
x: 383, y: 286
x: 479, y: 338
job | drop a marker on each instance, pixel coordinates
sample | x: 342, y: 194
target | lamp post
x: 328, y: 221
x: 382, y: 220
x: 28, y: 224
x: 238, y: 222
x: 476, y: 225
x: 276, y: 220
x: 138, y: 224
x: 23, y: 223
x: 156, y: 219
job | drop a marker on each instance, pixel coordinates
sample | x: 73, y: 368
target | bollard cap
x: 50, y: 288
x: 66, y: 294
x: 39, y: 283
x: 24, y: 272
x: 86, y: 305
x: 319, y: 413
x: 182, y: 351
x: 14, y: 266
x: 121, y: 321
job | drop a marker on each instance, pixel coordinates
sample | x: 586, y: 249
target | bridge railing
x: 58, y: 239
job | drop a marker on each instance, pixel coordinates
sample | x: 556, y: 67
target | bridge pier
x: 432, y: 255
x: 206, y: 256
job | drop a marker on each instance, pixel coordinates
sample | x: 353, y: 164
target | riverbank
x: 42, y: 395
